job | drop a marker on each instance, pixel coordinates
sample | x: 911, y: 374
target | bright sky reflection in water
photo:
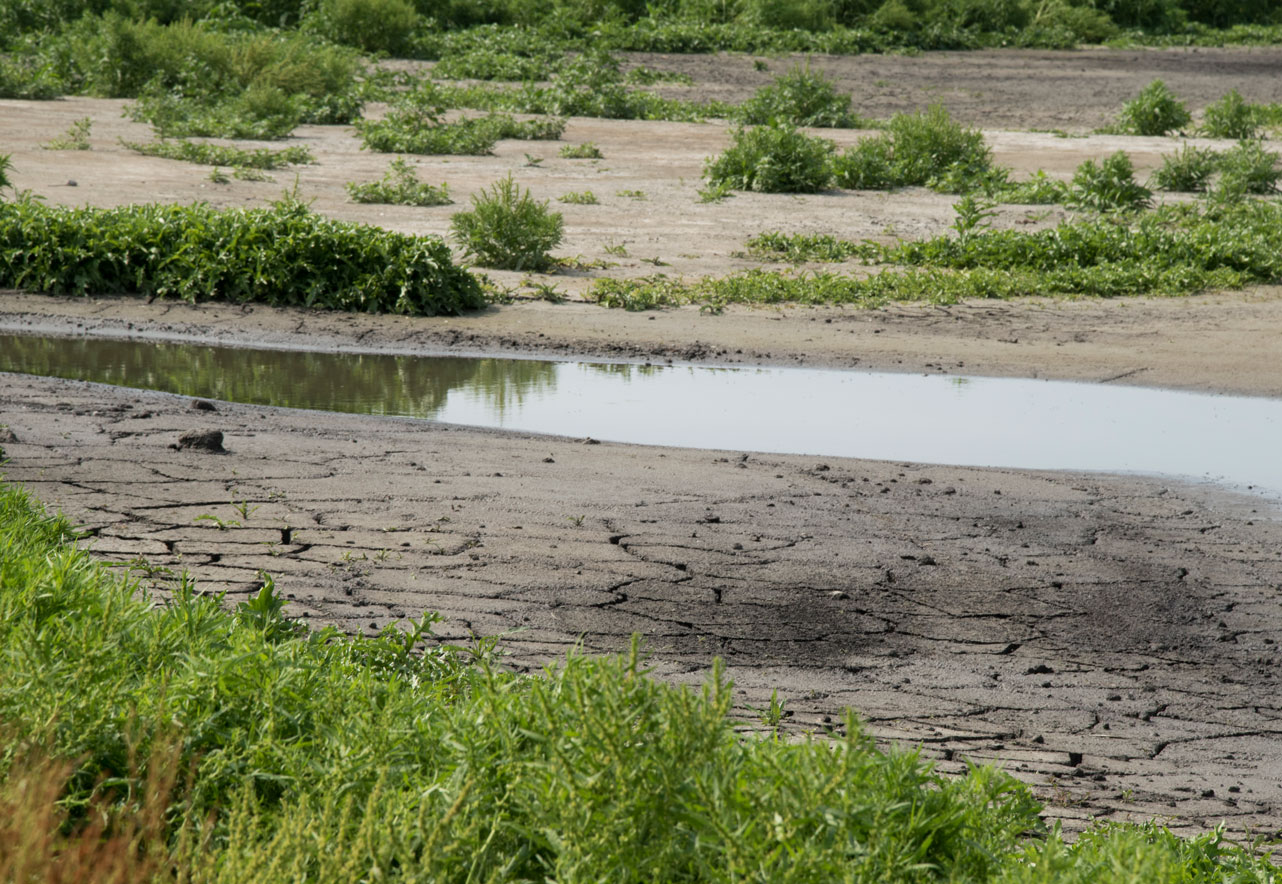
x: 929, y: 419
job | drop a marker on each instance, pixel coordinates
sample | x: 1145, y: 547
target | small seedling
x: 580, y: 198
x: 533, y: 160
x: 715, y: 193
x: 546, y: 292
x: 618, y: 249
x: 972, y: 215
x: 759, y: 65
x: 220, y: 524
x: 656, y: 261
x: 218, y: 176
x: 577, y: 521
x: 631, y: 194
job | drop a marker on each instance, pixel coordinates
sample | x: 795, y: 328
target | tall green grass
x: 257, y: 750
x: 284, y: 255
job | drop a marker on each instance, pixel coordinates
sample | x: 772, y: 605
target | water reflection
x: 352, y: 382
x: 929, y: 419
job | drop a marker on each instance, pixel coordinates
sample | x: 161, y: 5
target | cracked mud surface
x: 1111, y: 641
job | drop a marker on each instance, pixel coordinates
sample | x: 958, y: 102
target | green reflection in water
x: 412, y: 386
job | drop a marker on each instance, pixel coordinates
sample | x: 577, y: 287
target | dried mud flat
x: 1112, y: 641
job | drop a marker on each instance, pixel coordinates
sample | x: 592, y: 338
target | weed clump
x: 926, y: 149
x: 775, y: 158
x: 400, y: 186
x: 282, y: 256
x: 416, y: 124
x: 1231, y: 117
x: 1189, y: 170
x: 1155, y: 111
x: 801, y: 98
x: 508, y: 229
x: 1108, y: 186
x: 223, y: 155
x: 76, y: 137
x: 585, y: 151
x: 1248, y: 169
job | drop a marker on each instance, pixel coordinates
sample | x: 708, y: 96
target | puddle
x: 929, y: 419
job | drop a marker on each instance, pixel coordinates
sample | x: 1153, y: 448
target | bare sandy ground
x: 1112, y: 641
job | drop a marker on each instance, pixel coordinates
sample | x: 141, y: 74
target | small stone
x: 201, y: 440
x: 202, y: 405
x: 7, y: 435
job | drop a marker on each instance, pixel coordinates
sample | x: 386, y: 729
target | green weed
x: 1231, y: 117
x: 1155, y: 111
x: 1187, y: 171
x: 284, y: 255
x: 802, y: 98
x: 585, y: 151
x: 926, y: 149
x: 416, y: 124
x: 1247, y: 168
x: 223, y: 155
x: 508, y: 229
x: 579, y: 198
x: 76, y: 138
x: 1108, y: 186
x: 400, y: 186
x: 799, y: 248
x: 373, y: 25
x: 774, y: 158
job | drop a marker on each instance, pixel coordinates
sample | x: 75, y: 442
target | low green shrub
x: 487, y: 63
x: 585, y: 151
x: 374, y: 25
x: 926, y: 149
x: 774, y: 158
x: 800, y: 97
x: 508, y: 229
x: 800, y: 248
x: 28, y: 79
x: 282, y: 256
x: 416, y: 124
x: 1231, y: 117
x: 1247, y: 169
x: 1155, y: 111
x: 579, y: 198
x: 223, y: 155
x: 194, y: 78
x: 1039, y: 190
x: 76, y: 137
x: 400, y: 186
x: 1186, y: 171
x: 1108, y: 186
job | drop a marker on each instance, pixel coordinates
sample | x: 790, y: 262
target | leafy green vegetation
x: 1232, y: 117
x: 199, y: 79
x: 800, y: 98
x: 585, y: 151
x: 1172, y: 250
x: 400, y: 186
x: 579, y: 198
x: 1155, y: 111
x: 1187, y: 171
x: 223, y: 155
x: 76, y: 138
x: 285, y: 255
x: 775, y: 158
x: 1108, y: 186
x: 416, y: 124
x: 217, y: 745
x: 1247, y: 168
x: 508, y: 229
x: 926, y: 149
